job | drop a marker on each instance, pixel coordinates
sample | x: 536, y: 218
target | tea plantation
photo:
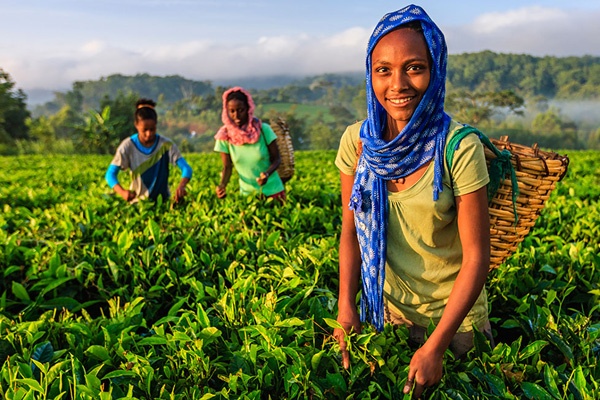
x: 236, y: 298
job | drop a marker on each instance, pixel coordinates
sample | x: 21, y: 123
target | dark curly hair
x: 144, y: 109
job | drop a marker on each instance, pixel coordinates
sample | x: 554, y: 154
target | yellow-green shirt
x: 424, y: 252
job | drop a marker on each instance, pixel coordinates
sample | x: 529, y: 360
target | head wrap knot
x: 230, y: 132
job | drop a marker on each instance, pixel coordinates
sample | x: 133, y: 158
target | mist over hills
x: 36, y: 97
x: 566, y: 78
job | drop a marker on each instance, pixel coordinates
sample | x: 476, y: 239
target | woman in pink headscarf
x: 248, y: 144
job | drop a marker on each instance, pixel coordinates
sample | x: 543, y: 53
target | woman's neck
x: 392, y: 129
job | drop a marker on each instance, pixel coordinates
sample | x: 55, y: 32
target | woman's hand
x: 425, y: 370
x: 351, y: 323
x: 221, y: 192
x: 181, y: 192
x: 263, y: 178
x: 127, y: 195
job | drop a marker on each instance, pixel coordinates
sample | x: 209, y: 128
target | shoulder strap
x: 454, y: 142
x: 499, y: 168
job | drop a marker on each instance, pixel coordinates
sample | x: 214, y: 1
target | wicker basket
x: 536, y: 172
x: 286, y: 149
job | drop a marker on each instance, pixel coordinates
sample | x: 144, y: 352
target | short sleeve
x: 121, y: 158
x: 346, y: 156
x: 222, y: 146
x: 469, y: 170
x: 270, y: 135
x: 174, y: 154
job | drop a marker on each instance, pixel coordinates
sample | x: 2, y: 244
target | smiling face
x: 238, y: 112
x: 146, y: 129
x: 400, y: 75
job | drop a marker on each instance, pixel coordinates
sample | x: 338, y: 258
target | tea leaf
x: 55, y: 283
x: 20, y: 292
x: 316, y: 359
x: 535, y: 391
x: 152, y: 341
x: 532, y: 349
x: 32, y: 384
x: 333, y: 323
x: 119, y: 374
x: 98, y: 352
x: 550, y: 380
x: 43, y: 353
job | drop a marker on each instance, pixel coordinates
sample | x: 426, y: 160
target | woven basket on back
x: 536, y: 172
x: 286, y: 149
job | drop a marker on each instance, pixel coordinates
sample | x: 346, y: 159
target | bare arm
x: 225, y: 175
x: 127, y: 195
x: 474, y: 230
x: 349, y: 267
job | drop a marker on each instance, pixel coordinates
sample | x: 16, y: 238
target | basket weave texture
x: 286, y: 149
x: 537, y: 173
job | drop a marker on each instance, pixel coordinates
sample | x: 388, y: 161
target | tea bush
x: 236, y: 298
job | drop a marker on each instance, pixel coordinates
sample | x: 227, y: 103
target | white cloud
x: 94, y: 47
x: 491, y: 23
x: 531, y: 30
x: 351, y: 38
x: 200, y: 60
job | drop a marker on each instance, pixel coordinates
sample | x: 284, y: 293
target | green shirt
x: 250, y: 160
x: 424, y: 252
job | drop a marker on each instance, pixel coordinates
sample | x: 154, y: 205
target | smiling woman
x: 400, y: 75
x: 420, y: 248
x: 249, y: 145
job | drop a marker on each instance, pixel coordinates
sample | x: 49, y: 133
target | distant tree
x: 342, y: 117
x: 322, y: 137
x: 475, y: 108
x: 594, y: 140
x: 13, y: 111
x: 300, y: 138
x: 554, y: 130
x: 62, y: 125
x: 538, y: 104
x: 122, y: 107
x: 359, y: 102
x: 100, y: 132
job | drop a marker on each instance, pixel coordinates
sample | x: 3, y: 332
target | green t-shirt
x: 250, y: 160
x: 424, y: 251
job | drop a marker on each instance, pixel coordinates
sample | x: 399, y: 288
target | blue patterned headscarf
x: 421, y: 141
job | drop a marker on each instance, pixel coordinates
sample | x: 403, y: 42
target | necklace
x: 399, y: 180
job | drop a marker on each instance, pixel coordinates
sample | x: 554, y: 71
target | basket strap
x: 499, y: 169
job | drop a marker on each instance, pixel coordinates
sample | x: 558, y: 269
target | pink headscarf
x: 230, y: 132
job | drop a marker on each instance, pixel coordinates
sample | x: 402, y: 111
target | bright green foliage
x: 236, y: 298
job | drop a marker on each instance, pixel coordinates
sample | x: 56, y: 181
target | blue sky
x: 49, y: 44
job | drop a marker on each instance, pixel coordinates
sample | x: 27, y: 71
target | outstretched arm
x: 225, y: 175
x: 349, y: 266
x: 186, y: 175
x: 111, y: 177
x: 474, y: 230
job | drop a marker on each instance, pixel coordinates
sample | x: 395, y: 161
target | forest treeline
x: 502, y: 94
